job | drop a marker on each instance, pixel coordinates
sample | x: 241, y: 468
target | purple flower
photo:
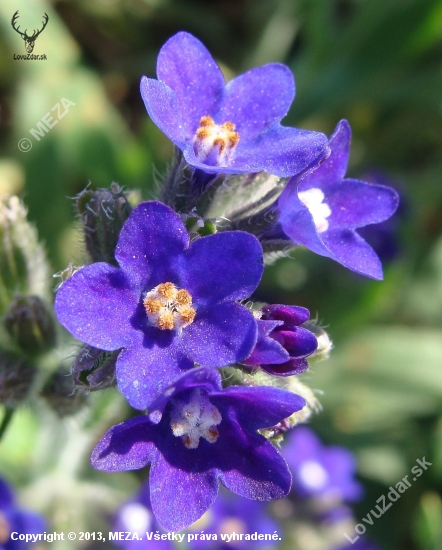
x: 321, y: 210
x: 232, y: 514
x: 231, y: 128
x: 136, y: 517
x: 320, y: 471
x: 168, y: 305
x: 197, y: 433
x: 16, y: 520
x: 283, y: 345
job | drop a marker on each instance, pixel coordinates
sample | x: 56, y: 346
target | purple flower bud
x: 283, y: 345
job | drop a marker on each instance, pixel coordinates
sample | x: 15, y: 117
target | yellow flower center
x: 169, y: 308
x: 214, y: 144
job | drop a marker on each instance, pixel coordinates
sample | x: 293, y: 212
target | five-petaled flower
x: 196, y: 433
x: 233, y: 128
x: 283, y: 345
x: 321, y: 471
x: 170, y: 304
x: 321, y: 210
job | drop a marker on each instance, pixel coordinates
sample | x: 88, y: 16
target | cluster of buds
x: 28, y: 333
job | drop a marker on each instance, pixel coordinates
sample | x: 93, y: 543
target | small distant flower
x: 283, y: 345
x: 320, y: 471
x: 232, y: 514
x: 196, y: 434
x: 135, y: 516
x: 16, y: 519
x: 233, y: 128
x: 321, y: 210
x: 170, y: 304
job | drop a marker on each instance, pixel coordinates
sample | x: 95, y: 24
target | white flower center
x: 313, y: 475
x: 169, y: 308
x: 314, y: 200
x: 136, y: 518
x: 194, y: 419
x: 214, y: 144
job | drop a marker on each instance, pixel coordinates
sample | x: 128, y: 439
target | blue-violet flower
x: 321, y: 210
x: 135, y: 516
x: 233, y: 128
x: 197, y: 433
x: 232, y: 514
x: 320, y: 471
x: 16, y: 520
x: 168, y: 305
x: 283, y: 345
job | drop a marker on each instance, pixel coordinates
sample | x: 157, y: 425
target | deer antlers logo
x: 29, y: 40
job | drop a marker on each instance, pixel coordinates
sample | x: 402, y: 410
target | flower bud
x: 94, y: 369
x: 23, y: 266
x: 30, y: 325
x: 103, y: 213
x: 16, y: 378
x: 62, y: 395
x: 325, y: 344
x: 283, y: 345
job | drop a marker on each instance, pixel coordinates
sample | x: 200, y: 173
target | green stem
x: 9, y: 413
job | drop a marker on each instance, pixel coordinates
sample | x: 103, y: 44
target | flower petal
x: 298, y: 341
x: 251, y: 466
x: 256, y: 99
x: 267, y: 350
x: 95, y: 305
x: 187, y: 67
x: 355, y: 204
x: 162, y: 106
x: 259, y: 406
x: 146, y: 369
x: 342, y: 464
x: 280, y: 151
x: 127, y: 446
x: 6, y: 495
x: 224, y: 266
x: 349, y: 249
x: 150, y: 244
x: 25, y: 521
x: 291, y: 315
x: 180, y: 497
x: 332, y: 170
x: 222, y: 335
x: 289, y: 368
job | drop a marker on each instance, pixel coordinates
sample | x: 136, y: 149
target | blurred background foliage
x: 377, y: 63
